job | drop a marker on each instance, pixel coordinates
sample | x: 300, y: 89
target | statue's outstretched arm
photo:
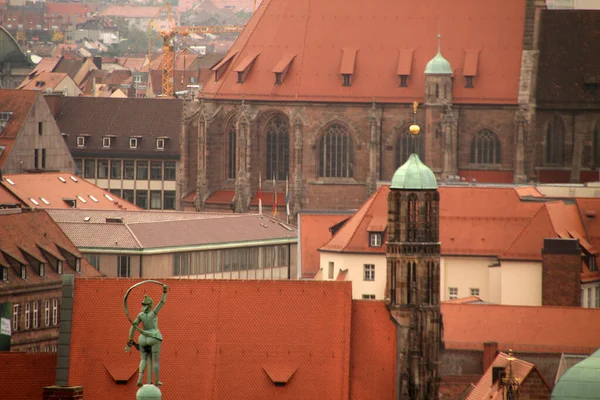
x: 162, y: 301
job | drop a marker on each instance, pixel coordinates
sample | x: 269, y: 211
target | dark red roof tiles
x: 24, y: 375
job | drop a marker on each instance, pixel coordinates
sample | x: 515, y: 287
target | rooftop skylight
x: 63, y: 180
x: 34, y: 201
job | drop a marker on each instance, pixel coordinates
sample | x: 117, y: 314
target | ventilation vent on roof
x: 45, y: 201
x: 95, y: 200
x: 114, y: 220
x: 108, y: 197
x: 34, y: 201
x: 10, y: 181
x: 82, y: 199
x: 70, y: 202
x: 63, y: 180
x: 74, y: 179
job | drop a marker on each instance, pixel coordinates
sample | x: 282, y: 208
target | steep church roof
x: 312, y: 43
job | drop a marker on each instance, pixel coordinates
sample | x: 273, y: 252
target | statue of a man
x: 150, y: 337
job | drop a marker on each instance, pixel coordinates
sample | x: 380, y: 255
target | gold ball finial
x: 414, y: 129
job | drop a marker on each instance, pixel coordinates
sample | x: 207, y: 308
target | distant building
x: 158, y: 244
x: 15, y: 65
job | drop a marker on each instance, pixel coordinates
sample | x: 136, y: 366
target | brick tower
x: 413, y: 276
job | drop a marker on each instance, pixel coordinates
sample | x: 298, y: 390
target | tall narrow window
x: 15, y: 320
x: 409, y: 280
x: 36, y: 315
x: 54, y: 311
x: 36, y: 158
x: 278, y: 148
x: 47, y: 313
x: 596, y: 146
x: 485, y: 148
x: 43, y: 158
x: 406, y: 144
x: 555, y: 133
x: 231, y: 154
x: 27, y: 315
x: 413, y: 219
x: 336, y: 153
x: 123, y: 267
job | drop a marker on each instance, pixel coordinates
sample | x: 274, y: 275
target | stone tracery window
x: 485, y: 148
x: 278, y: 148
x: 336, y: 158
x: 406, y: 144
x: 231, y: 150
x: 555, y: 133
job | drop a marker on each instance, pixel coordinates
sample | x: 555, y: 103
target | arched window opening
x: 555, y: 133
x: 485, y: 148
x: 406, y: 144
x: 413, y: 218
x: 409, y: 281
x: 231, y: 151
x: 278, y: 148
x: 336, y: 153
x: 428, y: 218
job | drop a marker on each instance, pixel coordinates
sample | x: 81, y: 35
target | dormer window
x: 4, y: 274
x: 375, y: 239
x: 403, y: 80
x: 106, y: 142
x: 23, y: 272
x: 80, y: 141
x: 42, y: 269
x: 160, y: 144
x: 346, y: 79
x: 59, y: 267
x: 243, y: 68
x: 282, y: 66
x: 78, y: 265
x: 278, y: 78
x: 469, y: 82
x: 133, y: 143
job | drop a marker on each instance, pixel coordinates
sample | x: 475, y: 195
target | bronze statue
x: 150, y: 337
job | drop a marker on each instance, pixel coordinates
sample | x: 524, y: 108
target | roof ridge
x: 525, y: 228
x: 133, y: 235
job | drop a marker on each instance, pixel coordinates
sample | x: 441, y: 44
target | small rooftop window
x: 34, y: 201
x: 45, y: 201
x: 106, y: 142
x: 133, y: 143
x: 10, y: 181
x: 63, y: 180
x: 82, y: 199
x: 73, y: 179
x: 108, y: 197
x: 95, y: 200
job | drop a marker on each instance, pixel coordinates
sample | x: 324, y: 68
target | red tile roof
x: 20, y: 103
x: 26, y: 374
x: 243, y: 332
x: 45, y: 80
x: 521, y: 370
x: 314, y: 231
x: 69, y: 9
x: 50, y: 187
x: 522, y: 328
x: 130, y: 11
x: 312, y: 31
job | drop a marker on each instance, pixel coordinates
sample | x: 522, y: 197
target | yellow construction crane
x: 167, y: 35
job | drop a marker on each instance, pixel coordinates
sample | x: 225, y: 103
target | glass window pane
x: 115, y: 169
x: 129, y: 169
x: 142, y: 170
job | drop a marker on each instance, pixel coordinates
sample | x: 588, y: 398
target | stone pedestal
x: 148, y: 392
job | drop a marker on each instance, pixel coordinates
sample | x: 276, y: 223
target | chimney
x: 561, y: 272
x: 490, y: 350
x: 98, y: 62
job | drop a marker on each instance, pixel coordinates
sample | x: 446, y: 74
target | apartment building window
x: 375, y: 239
x: 369, y: 272
x: 36, y: 158
x: 115, y: 169
x: 90, y: 169
x: 170, y: 170
x: 160, y: 144
x: 129, y: 169
x: 155, y: 199
x: 330, y: 271
x: 142, y: 170
x: 102, y: 169
x: 15, y: 319
x: 156, y: 170
x: 36, y: 314
x: 452, y: 293
x: 54, y: 312
x: 123, y: 267
x: 128, y: 195
x: 94, y: 260
x: 169, y: 202
x: 43, y: 158
x: 133, y: 143
x: 474, y: 291
x: 368, y: 297
x: 116, y: 192
x: 47, y: 313
x: 27, y: 315
x: 80, y: 141
x: 141, y: 199
x: 106, y: 142
x: 79, y: 167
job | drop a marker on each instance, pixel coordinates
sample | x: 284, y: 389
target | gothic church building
x: 319, y: 94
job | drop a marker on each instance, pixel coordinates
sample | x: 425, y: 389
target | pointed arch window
x: 485, y: 148
x: 336, y: 159
x: 231, y: 151
x: 555, y: 134
x: 413, y: 219
x: 278, y: 148
x: 406, y: 144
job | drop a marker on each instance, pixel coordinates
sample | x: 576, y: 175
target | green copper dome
x: 581, y: 381
x: 414, y: 175
x: 438, y: 64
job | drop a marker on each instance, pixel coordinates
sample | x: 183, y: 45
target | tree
x: 58, y: 37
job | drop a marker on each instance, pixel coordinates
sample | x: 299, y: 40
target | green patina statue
x: 150, y: 337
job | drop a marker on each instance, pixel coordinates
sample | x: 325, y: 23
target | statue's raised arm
x: 163, y: 300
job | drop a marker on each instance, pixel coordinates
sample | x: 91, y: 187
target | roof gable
x: 313, y: 31
x: 19, y: 103
x: 240, y: 328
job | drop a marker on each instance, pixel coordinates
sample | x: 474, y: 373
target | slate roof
x: 56, y: 187
x: 245, y: 333
x: 26, y: 374
x: 319, y: 32
x: 521, y: 370
x: 567, y: 62
x: 35, y: 234
x: 523, y: 329
x: 149, y: 230
x: 147, y: 119
x: 20, y: 103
